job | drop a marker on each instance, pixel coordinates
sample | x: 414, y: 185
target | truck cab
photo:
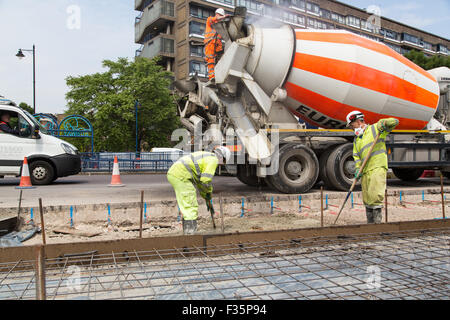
x: 49, y: 158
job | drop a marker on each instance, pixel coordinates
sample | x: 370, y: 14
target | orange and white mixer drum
x: 335, y: 72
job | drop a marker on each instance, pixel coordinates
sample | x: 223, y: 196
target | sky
x: 432, y: 16
x: 73, y: 37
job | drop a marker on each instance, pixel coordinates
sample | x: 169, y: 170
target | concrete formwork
x: 389, y: 261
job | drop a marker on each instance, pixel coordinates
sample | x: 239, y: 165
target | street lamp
x: 20, y: 55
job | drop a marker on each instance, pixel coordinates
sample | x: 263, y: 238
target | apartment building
x: 173, y: 29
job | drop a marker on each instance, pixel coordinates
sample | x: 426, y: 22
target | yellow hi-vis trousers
x: 186, y: 197
x: 373, y: 187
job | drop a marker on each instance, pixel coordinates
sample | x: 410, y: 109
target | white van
x: 49, y: 158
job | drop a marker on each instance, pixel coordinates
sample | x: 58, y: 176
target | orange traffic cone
x: 25, y: 180
x: 115, y: 180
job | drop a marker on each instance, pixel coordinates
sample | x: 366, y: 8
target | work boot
x: 369, y: 214
x: 377, y: 215
x: 189, y: 227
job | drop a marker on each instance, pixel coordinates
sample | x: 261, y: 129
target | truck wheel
x: 41, y: 173
x: 323, y: 167
x: 341, y: 167
x: 269, y: 184
x: 249, y: 177
x: 298, y: 169
x: 408, y: 175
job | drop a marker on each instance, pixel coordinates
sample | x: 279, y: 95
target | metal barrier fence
x: 146, y: 161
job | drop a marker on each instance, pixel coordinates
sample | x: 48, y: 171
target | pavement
x: 93, y: 189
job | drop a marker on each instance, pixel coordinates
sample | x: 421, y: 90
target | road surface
x: 85, y: 189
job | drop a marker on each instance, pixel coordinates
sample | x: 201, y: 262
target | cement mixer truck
x: 273, y: 84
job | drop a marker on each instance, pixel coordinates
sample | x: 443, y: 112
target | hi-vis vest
x: 361, y: 145
x: 211, y: 36
x: 199, y: 167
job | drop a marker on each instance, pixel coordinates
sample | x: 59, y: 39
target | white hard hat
x: 223, y: 152
x: 353, y: 116
x: 220, y: 11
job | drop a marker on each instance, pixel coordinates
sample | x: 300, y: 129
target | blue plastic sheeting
x: 15, y: 239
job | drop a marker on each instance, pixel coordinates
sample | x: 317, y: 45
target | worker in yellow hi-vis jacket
x: 374, y: 173
x: 192, y: 172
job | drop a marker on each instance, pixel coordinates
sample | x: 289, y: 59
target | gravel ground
x: 412, y: 209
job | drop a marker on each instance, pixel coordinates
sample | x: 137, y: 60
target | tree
x: 107, y: 100
x: 428, y: 63
x: 26, y: 107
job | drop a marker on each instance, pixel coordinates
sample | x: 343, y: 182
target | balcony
x: 155, y: 17
x: 163, y: 46
x: 412, y: 44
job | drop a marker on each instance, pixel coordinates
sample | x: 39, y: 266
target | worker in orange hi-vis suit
x: 213, y: 42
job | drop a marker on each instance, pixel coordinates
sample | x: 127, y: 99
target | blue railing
x: 145, y: 162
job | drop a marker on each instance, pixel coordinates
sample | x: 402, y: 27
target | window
x: 148, y: 37
x: 325, y: 14
x: 353, y: 21
x: 299, y: 4
x: 290, y: 17
x: 197, y: 51
x: 251, y: 5
x: 18, y: 122
x: 24, y: 127
x: 197, y: 67
x: 312, y: 8
x: 394, y: 47
x: 427, y: 46
x: 201, y: 13
x: 274, y: 13
x: 368, y: 36
x: 442, y: 49
x: 228, y: 2
x: 312, y: 23
x: 167, y: 45
x: 196, y: 28
x: 301, y: 20
x: 347, y: 29
x: 147, y: 3
x: 366, y: 25
x: 391, y: 35
x: 337, y: 17
x: 411, y: 39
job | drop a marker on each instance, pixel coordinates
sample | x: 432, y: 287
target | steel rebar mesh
x: 402, y: 265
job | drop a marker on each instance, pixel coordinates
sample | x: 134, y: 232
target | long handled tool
x: 211, y: 210
x: 356, y: 179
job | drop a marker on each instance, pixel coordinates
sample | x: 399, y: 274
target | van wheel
x: 41, y: 173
